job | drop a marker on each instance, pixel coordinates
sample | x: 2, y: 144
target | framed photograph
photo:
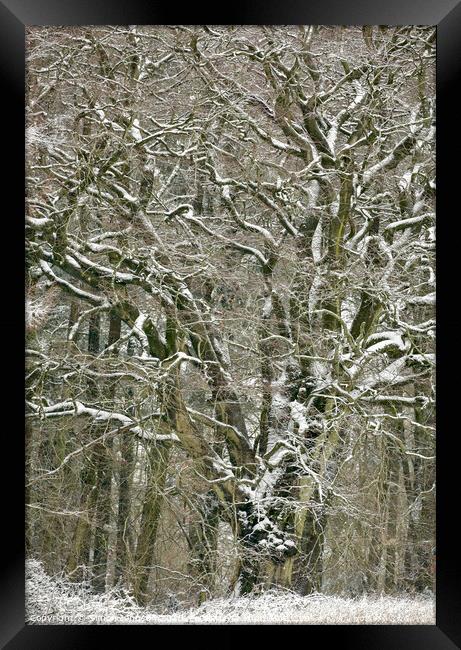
x: 230, y: 321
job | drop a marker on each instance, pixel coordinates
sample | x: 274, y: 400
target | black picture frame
x: 15, y: 15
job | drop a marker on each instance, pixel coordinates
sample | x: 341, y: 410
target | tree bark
x: 157, y: 469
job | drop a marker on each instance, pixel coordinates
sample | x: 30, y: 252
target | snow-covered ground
x: 55, y: 601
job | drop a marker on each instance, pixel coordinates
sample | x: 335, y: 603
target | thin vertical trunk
x: 392, y: 514
x: 102, y: 516
x: 103, y: 452
x: 79, y: 557
x: 157, y: 466
x: 125, y: 540
x: 203, y: 538
x: 124, y: 528
x: 419, y: 484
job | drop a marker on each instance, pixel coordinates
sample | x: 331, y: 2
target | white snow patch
x: 298, y: 413
x: 135, y: 132
x: 226, y: 193
x: 56, y: 601
x: 387, y: 339
x: 317, y: 243
x: 267, y: 307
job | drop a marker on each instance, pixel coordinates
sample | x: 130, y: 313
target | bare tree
x: 250, y: 210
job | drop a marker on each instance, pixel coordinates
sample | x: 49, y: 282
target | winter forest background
x: 230, y: 313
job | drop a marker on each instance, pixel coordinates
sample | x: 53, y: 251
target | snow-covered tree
x: 236, y: 226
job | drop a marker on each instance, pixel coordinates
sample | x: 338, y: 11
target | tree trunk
x: 79, y: 557
x: 203, y: 538
x: 124, y: 547
x: 308, y: 566
x: 103, y: 452
x: 157, y: 467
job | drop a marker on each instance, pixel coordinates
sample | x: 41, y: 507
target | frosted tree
x: 248, y: 213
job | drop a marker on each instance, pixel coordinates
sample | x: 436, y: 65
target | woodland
x: 230, y: 310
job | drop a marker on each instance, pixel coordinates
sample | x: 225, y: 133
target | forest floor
x: 55, y: 601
